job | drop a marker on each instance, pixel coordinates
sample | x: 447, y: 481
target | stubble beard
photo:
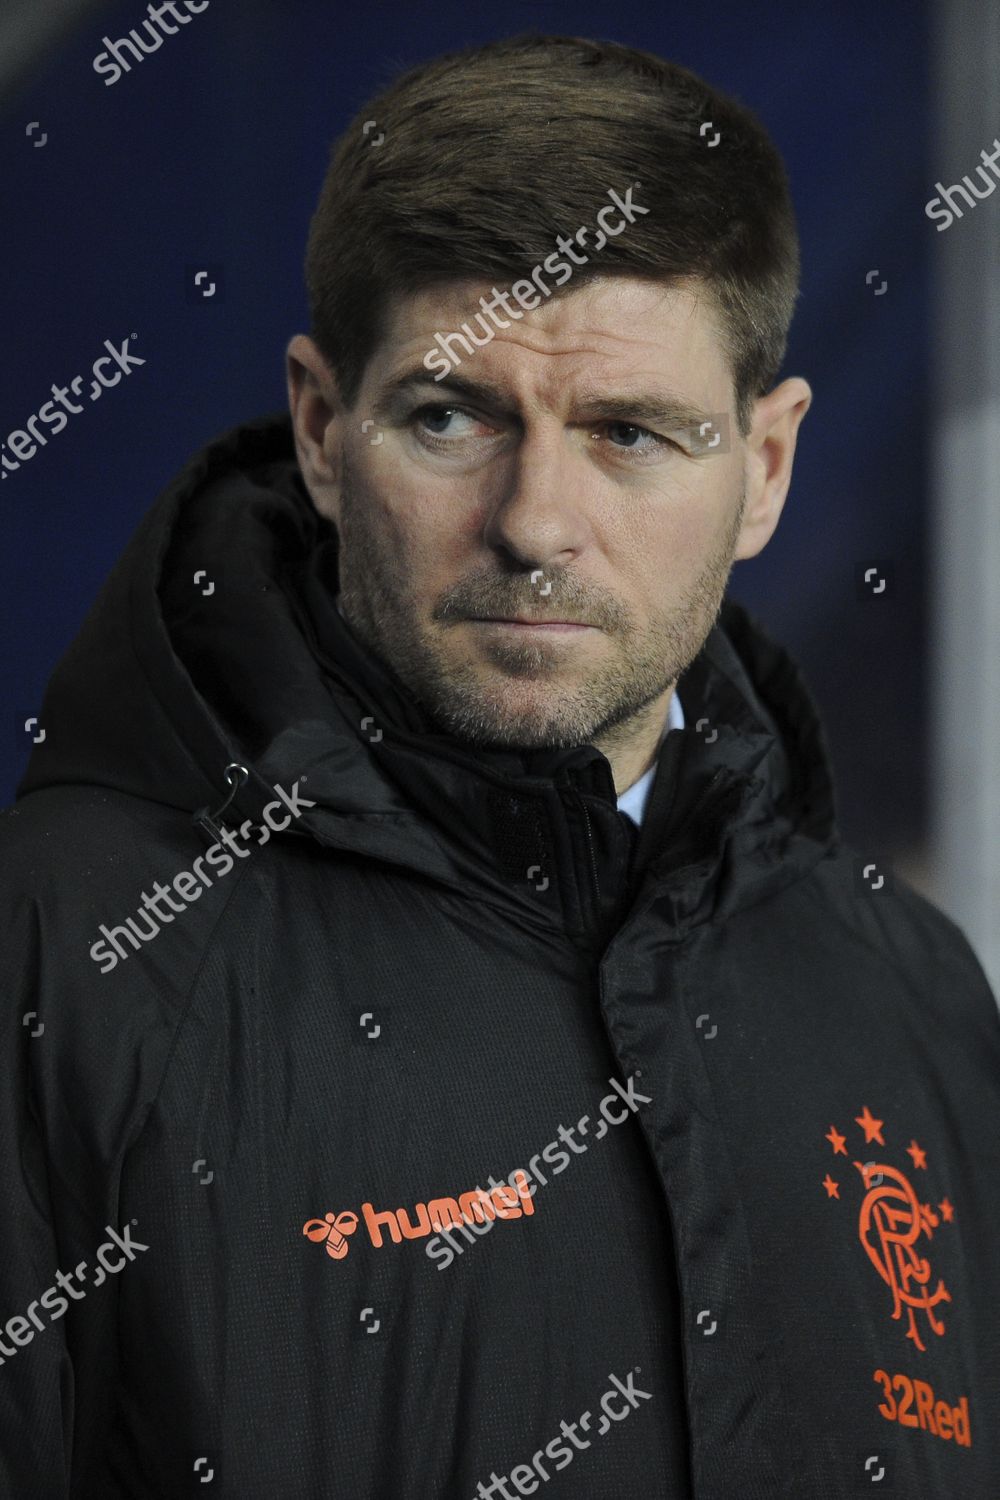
x: 521, y: 694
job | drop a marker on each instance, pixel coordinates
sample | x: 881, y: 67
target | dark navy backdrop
x: 211, y: 153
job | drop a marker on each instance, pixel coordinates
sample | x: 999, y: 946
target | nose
x: 539, y: 516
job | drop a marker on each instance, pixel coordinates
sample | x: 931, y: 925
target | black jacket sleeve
x: 36, y: 1369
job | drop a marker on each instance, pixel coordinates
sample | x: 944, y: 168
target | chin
x: 512, y: 730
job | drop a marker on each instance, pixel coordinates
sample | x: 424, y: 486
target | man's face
x: 534, y: 498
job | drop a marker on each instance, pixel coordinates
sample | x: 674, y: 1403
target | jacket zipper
x: 595, y: 889
x: 594, y: 895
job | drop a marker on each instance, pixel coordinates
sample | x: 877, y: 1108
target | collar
x: 633, y: 800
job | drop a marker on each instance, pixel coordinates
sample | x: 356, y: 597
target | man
x: 437, y: 993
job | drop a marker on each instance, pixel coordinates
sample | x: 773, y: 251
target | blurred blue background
x: 211, y: 153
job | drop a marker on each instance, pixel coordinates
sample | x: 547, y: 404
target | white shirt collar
x: 633, y: 801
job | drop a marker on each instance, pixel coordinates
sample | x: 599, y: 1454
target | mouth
x: 565, y: 626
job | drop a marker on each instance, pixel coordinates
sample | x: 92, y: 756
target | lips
x: 516, y: 620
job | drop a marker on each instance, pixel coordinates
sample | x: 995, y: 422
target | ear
x: 770, y: 451
x: 316, y: 411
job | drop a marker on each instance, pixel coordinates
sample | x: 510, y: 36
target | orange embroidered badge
x: 892, y: 1220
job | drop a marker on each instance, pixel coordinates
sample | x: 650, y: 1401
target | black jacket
x: 731, y: 1101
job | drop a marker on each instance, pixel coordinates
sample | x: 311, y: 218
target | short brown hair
x: 488, y: 153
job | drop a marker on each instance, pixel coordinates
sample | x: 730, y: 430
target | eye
x: 650, y: 449
x: 447, y: 436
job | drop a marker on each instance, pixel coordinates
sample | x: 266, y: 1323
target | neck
x: 630, y: 758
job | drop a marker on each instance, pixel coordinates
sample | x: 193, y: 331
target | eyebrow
x: 662, y: 408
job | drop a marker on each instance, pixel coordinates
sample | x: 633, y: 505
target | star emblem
x: 871, y: 1127
x: 832, y: 1188
x: 919, y: 1155
x: 836, y: 1140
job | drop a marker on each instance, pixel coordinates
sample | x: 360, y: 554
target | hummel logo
x: 504, y: 1202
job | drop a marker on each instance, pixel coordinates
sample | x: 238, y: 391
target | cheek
x: 384, y: 508
x: 441, y: 531
x: 426, y: 532
x: 672, y: 547
x: 697, y: 525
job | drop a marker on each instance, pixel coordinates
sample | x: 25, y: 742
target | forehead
x: 611, y: 327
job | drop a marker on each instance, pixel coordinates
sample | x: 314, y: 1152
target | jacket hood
x: 216, y: 642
